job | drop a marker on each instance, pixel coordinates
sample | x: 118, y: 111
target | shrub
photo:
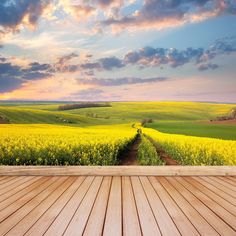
x: 145, y: 121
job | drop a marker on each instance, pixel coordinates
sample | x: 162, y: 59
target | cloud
x: 106, y: 63
x: 92, y: 10
x: 161, y: 13
x: 7, y: 69
x: 24, y: 12
x: 62, y: 64
x: 155, y: 57
x: 203, y: 67
x: 13, y: 76
x: 149, y: 56
x: 2, y: 59
x: 90, y: 66
x: 36, y: 66
x: 35, y: 76
x: 110, y: 63
x: 9, y: 83
x: 120, y: 81
x: 107, y: 3
x: 82, y: 11
x: 66, y: 58
x: 152, y: 14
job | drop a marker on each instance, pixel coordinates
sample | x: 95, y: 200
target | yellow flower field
x: 60, y: 145
x: 189, y: 150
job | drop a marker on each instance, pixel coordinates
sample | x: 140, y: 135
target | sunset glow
x: 118, y: 50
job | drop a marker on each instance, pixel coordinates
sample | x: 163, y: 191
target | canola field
x: 189, y: 150
x: 104, y: 145
x: 61, y: 145
x: 39, y: 134
x: 147, y: 154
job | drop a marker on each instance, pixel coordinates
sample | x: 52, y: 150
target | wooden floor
x: 117, y: 205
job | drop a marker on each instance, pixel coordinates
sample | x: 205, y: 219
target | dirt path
x: 164, y: 156
x: 130, y: 156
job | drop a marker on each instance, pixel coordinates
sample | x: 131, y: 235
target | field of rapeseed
x: 60, y: 145
x: 189, y: 150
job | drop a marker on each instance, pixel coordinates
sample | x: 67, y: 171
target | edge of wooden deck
x: 118, y: 170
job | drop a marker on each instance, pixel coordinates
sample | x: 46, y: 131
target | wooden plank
x: 193, y: 215
x: 183, y: 224
x: 44, y: 207
x: 79, y: 220
x: 5, y: 180
x: 166, y: 205
x: 215, y: 197
x: 147, y: 220
x: 131, y: 224
x: 21, y: 194
x: 216, y: 222
x: 44, y: 222
x: 2, y: 178
x: 20, y: 180
x: 210, y: 199
x: 17, y: 216
x: 162, y: 217
x: 60, y: 224
x: 8, y: 182
x: 224, y: 184
x: 119, y: 170
x: 210, y: 184
x: 219, y: 186
x: 97, y: 217
x: 228, y: 180
x: 113, y: 221
x: 232, y: 178
x: 18, y: 188
x: 9, y: 210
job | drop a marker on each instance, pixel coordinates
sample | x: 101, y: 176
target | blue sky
x: 118, y: 50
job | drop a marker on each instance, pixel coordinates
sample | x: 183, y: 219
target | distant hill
x: 19, y: 115
x: 118, y: 112
x: 190, y: 118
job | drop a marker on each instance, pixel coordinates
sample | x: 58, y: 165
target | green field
x: 40, y: 134
x: 199, y: 129
x: 189, y: 118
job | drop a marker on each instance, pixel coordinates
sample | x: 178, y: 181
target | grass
x: 159, y: 110
x: 200, y: 129
x: 18, y: 115
x: 171, y: 117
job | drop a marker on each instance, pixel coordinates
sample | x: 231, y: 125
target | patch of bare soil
x: 227, y: 122
x: 130, y: 156
x: 164, y: 156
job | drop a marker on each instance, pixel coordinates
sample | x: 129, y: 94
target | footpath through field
x: 130, y: 156
x: 163, y: 155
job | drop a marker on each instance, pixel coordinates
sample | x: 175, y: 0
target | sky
x: 118, y: 50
